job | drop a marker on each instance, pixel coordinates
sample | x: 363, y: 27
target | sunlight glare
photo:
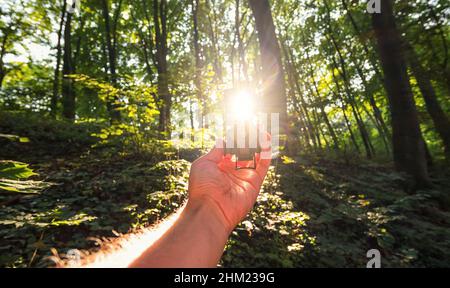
x: 243, y: 105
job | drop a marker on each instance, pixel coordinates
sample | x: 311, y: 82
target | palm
x: 233, y: 191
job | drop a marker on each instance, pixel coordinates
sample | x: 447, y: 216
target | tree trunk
x: 351, y: 101
x: 6, y: 32
x: 215, y: 50
x: 198, y: 63
x: 442, y: 34
x: 321, y: 104
x: 300, y: 108
x: 272, y: 70
x: 370, y: 151
x: 241, y: 51
x: 2, y: 76
x: 376, y: 115
x: 317, y: 128
x: 56, y: 76
x: 440, y: 120
x: 111, y: 47
x: 191, y: 121
x: 409, y: 151
x: 343, y: 108
x: 165, y: 99
x: 68, y: 93
x: 80, y: 34
x: 381, y: 125
x: 358, y: 33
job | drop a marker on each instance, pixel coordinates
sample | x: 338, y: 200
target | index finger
x: 264, y: 158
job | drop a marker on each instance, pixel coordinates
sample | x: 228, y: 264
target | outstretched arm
x: 219, y: 198
x: 196, y: 239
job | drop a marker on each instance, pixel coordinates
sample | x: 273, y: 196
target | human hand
x: 229, y: 194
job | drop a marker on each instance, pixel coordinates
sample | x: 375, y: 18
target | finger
x: 266, y: 142
x: 216, y: 154
x: 266, y: 147
x: 262, y: 168
x: 264, y: 158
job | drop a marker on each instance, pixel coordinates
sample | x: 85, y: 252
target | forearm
x: 196, y: 239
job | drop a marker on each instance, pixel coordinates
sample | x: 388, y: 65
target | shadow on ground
x: 323, y: 213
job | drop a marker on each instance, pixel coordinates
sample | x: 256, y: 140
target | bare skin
x: 219, y: 198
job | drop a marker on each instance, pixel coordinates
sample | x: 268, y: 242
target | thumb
x: 215, y: 155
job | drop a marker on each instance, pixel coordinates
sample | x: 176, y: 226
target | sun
x: 242, y: 105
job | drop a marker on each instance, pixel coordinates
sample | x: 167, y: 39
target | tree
x: 12, y: 30
x: 213, y: 35
x: 297, y: 98
x: 408, y: 146
x: 345, y: 78
x: 111, y: 45
x: 198, y: 61
x: 56, y: 76
x: 6, y: 32
x: 68, y: 93
x: 440, y: 120
x: 272, y: 69
x: 160, y: 11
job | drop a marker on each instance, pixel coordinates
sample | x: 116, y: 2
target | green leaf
x: 27, y: 187
x: 8, y: 188
x: 15, y: 170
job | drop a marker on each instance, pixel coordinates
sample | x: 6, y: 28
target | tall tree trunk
x: 300, y: 108
x: 343, y: 106
x: 215, y: 50
x: 409, y: 150
x: 370, y: 151
x: 376, y: 115
x: 330, y: 128
x: 111, y: 47
x: 443, y: 76
x: 381, y: 125
x: 361, y: 40
x: 6, y: 33
x: 80, y: 34
x: 317, y: 128
x: 443, y: 36
x: 241, y: 51
x: 68, y: 93
x: 272, y: 69
x: 56, y: 75
x: 440, y: 120
x: 191, y: 121
x: 198, y: 63
x: 321, y: 104
x: 2, y: 77
x: 375, y: 66
x: 165, y: 99
x: 351, y: 101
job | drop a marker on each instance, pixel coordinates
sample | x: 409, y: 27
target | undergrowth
x: 312, y: 211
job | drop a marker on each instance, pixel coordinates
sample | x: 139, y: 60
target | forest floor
x: 313, y: 211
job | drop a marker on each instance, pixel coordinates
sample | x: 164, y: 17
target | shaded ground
x: 322, y: 213
x: 312, y: 212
